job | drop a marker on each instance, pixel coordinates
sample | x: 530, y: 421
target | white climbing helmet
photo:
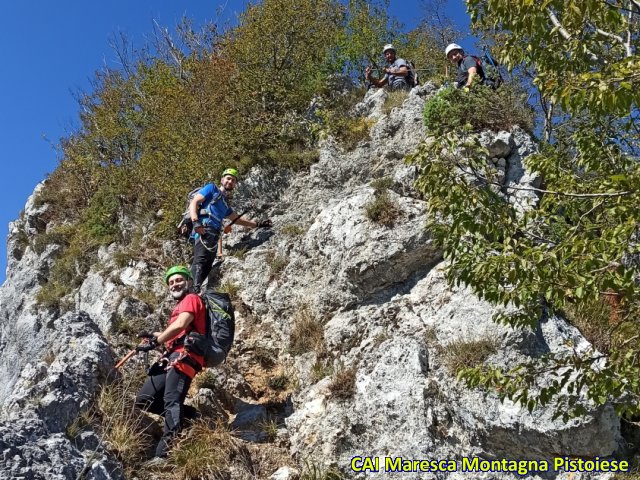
x: 388, y: 46
x: 452, y: 46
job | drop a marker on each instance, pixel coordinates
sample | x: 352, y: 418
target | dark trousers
x: 164, y: 394
x: 205, y: 249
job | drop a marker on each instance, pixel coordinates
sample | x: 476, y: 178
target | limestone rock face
x: 389, y: 320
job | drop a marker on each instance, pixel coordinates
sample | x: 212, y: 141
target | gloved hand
x: 266, y: 223
x: 148, y: 346
x: 198, y: 227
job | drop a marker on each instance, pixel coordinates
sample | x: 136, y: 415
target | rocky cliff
x: 378, y: 382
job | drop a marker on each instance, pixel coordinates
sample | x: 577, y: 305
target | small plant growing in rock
x: 49, y: 357
x: 265, y: 357
x: 343, y: 384
x: 279, y: 382
x: 307, y: 332
x: 270, y: 428
x: 239, y: 252
x: 83, y: 420
x: 382, y: 210
x: 276, y: 264
x: 120, y: 424
x: 468, y: 354
x: 320, y: 370
x: 381, y: 184
x: 230, y: 287
x: 313, y: 471
x: 292, y: 229
x: 206, y: 379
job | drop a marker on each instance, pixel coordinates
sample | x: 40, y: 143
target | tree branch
x: 567, y: 36
x: 569, y: 194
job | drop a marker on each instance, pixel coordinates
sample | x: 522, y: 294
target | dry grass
x: 120, y: 424
x: 593, y: 321
x: 276, y: 264
x: 230, y: 287
x: 321, y: 369
x: 382, y: 210
x: 203, y: 451
x: 307, y: 332
x: 394, y: 99
x: 343, y: 384
x: 205, y: 379
x: 467, y: 354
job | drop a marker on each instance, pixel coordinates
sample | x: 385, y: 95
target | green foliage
x: 368, y: 27
x: 338, y: 120
x: 478, y: 109
x: 283, y: 50
x: 71, y: 266
x: 575, y: 248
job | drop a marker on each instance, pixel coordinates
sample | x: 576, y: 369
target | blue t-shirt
x: 215, y: 203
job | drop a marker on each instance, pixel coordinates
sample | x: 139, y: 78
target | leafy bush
x: 478, y: 109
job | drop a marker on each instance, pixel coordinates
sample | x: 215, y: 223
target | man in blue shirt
x: 397, y: 74
x: 207, y: 210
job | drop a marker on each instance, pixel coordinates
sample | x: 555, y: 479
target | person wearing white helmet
x: 397, y: 74
x: 468, y: 66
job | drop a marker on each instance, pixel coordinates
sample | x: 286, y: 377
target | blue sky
x: 50, y: 50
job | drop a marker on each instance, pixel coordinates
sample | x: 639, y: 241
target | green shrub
x: 381, y: 184
x: 478, y: 109
x: 206, y: 379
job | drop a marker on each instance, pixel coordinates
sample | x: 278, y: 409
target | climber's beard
x: 178, y: 292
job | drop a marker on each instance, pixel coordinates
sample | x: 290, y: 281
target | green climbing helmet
x: 230, y: 171
x: 181, y: 269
